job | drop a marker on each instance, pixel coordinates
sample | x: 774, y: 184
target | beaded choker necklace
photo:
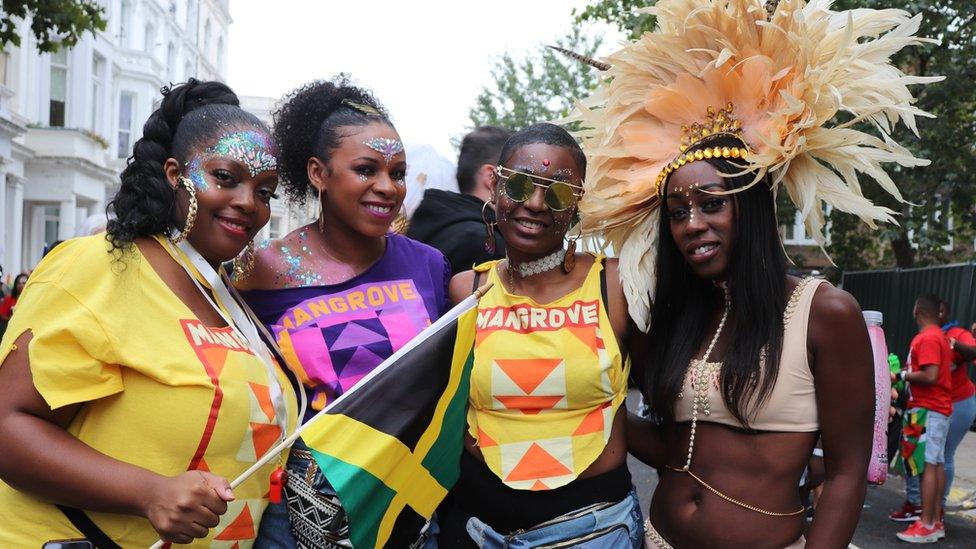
x: 538, y: 266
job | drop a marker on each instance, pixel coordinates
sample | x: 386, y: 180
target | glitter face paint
x: 298, y: 273
x: 251, y: 148
x: 385, y: 146
x: 687, y: 195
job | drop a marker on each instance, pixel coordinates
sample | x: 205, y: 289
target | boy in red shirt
x: 927, y: 418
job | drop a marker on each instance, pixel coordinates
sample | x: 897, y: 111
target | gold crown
x: 716, y: 124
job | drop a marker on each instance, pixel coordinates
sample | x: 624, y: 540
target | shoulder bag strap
x: 89, y: 529
x: 603, y: 286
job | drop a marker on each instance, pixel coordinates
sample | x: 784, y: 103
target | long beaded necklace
x: 702, y: 374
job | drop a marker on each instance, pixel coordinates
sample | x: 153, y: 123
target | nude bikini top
x: 792, y: 404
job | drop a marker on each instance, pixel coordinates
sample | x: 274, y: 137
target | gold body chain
x: 703, y: 371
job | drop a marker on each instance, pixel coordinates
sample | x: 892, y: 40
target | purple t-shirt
x: 334, y: 335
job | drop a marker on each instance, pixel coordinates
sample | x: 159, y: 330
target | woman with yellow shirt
x: 131, y: 384
x: 546, y: 456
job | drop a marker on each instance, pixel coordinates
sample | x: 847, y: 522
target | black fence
x: 893, y: 292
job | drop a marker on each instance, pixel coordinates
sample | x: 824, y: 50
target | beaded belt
x: 653, y: 539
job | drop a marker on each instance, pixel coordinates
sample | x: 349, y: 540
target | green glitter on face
x: 252, y: 148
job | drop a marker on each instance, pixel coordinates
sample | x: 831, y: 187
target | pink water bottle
x: 878, y: 466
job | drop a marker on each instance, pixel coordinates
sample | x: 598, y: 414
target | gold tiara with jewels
x: 715, y: 124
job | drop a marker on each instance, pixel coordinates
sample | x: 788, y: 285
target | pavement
x: 874, y: 529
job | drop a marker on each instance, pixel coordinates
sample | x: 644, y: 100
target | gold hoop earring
x: 401, y: 224
x: 489, y: 229
x: 191, y: 213
x: 569, y: 260
x: 321, y: 213
x: 244, y: 263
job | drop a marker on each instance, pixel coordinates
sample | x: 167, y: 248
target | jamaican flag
x: 391, y: 445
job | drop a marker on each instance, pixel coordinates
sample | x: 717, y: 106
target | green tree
x: 620, y: 13
x: 938, y: 192
x: 541, y: 87
x: 944, y: 189
x: 55, y: 23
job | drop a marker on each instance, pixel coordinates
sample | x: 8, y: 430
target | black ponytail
x: 307, y: 124
x: 188, y: 115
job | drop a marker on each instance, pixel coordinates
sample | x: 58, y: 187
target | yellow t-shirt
x: 546, y: 383
x: 159, y: 389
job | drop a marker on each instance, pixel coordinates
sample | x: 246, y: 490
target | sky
x: 425, y: 60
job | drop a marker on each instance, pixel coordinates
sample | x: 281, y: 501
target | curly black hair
x: 189, y: 114
x: 307, y: 124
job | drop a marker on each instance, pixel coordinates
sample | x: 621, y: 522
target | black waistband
x: 479, y: 492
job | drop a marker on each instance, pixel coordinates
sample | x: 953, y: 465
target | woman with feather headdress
x: 695, y: 129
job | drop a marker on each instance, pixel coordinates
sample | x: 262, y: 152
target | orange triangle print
x: 592, y: 423
x: 537, y: 463
x: 202, y: 465
x: 484, y: 440
x: 539, y: 486
x: 263, y: 395
x: 264, y: 437
x: 529, y: 404
x: 215, y: 358
x: 241, y: 528
x: 586, y: 335
x: 528, y: 373
x: 480, y: 336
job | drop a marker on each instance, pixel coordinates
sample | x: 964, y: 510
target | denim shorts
x: 936, y: 431
x: 598, y: 526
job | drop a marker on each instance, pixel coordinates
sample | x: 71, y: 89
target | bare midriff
x: 760, y: 469
x: 614, y: 454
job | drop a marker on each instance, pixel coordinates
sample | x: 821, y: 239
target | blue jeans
x: 275, y: 529
x: 963, y: 413
x: 620, y: 524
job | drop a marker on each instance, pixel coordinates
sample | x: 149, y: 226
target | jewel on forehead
x: 385, y: 146
x: 545, y: 162
x: 251, y: 148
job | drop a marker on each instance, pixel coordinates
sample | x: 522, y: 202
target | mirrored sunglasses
x: 519, y: 186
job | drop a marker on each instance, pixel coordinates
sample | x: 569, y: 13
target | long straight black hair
x: 684, y: 303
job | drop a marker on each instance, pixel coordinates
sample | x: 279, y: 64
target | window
x: 4, y: 61
x: 127, y: 101
x: 191, y: 18
x: 171, y: 62
x: 125, y: 12
x: 220, y: 53
x: 98, y: 64
x: 52, y: 219
x: 59, y: 88
x: 149, y: 39
x: 206, y: 38
x: 797, y: 234
x: 188, y: 71
x: 274, y: 227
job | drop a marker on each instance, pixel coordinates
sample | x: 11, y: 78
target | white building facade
x: 68, y: 119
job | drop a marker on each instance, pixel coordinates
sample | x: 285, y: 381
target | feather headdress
x: 801, y: 79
